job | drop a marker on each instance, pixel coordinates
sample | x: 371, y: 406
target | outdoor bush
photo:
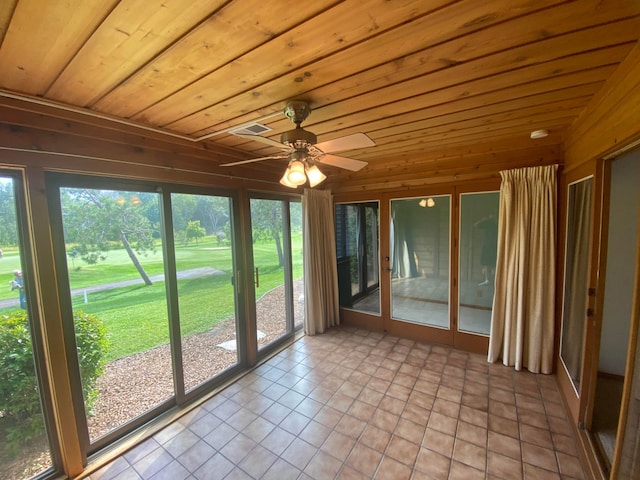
x: 20, y: 410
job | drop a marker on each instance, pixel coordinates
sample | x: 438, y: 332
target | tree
x: 266, y: 223
x: 194, y: 231
x: 95, y: 220
x: 213, y: 212
x: 8, y: 232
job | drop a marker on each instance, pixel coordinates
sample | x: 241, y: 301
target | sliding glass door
x: 148, y: 283
x: 276, y: 235
x: 24, y: 442
x: 202, y: 247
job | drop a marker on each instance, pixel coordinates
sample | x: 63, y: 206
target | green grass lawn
x: 136, y: 316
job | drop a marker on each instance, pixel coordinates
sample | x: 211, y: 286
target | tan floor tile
x: 504, y: 426
x: 432, y: 463
x: 338, y: 445
x: 564, y: 444
x: 392, y: 405
x: 438, y: 442
x: 384, y: 420
x: 460, y: 471
x: 504, y: 445
x: 503, y: 410
x: 532, y: 472
x: 375, y: 438
x: 539, y: 456
x: 535, y: 435
x: 503, y: 467
x: 299, y: 453
x: 364, y: 459
x: 446, y: 407
x: 392, y: 469
x: 350, y: 426
x: 570, y: 466
x: 348, y: 473
x: 402, y: 450
x: 470, y: 454
x: 315, y: 433
x: 472, y: 433
x: 474, y: 416
x: 323, y: 465
x: 410, y: 431
x: 442, y: 423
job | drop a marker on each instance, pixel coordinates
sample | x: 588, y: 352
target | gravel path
x: 132, y: 385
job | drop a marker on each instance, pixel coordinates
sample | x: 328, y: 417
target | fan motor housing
x: 298, y: 138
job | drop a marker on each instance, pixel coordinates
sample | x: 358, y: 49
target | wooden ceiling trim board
x: 380, y: 52
x: 181, y: 174
x: 78, y: 125
x: 6, y: 12
x: 421, y: 118
x: 517, y: 108
x: 560, y: 122
x: 133, y: 33
x: 411, y: 95
x: 421, y: 160
x: 611, y: 92
x: 43, y: 37
x: 469, y: 57
x: 511, y: 85
x: 207, y: 48
x: 477, y: 69
x: 349, y: 22
x: 528, y: 115
x: 30, y: 139
x: 428, y: 100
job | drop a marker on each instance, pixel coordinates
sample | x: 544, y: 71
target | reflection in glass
x: 206, y: 297
x: 358, y: 256
x: 420, y: 237
x: 478, y: 250
x: 24, y: 447
x: 576, y: 277
x: 116, y: 277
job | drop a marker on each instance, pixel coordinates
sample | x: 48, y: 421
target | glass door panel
x: 270, y: 260
x: 206, y: 296
x: 297, y: 263
x: 357, y: 247
x: 576, y: 277
x: 420, y: 239
x: 24, y: 446
x: 116, y: 277
x: 477, y: 263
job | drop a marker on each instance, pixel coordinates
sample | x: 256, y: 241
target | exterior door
x: 439, y: 265
x: 276, y: 239
x: 579, y: 279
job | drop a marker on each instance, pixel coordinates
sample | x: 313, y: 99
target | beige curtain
x: 522, y: 323
x: 320, y: 269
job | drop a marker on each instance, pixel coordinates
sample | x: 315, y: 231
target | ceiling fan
x: 304, y: 153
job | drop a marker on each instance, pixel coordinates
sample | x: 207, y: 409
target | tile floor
x: 353, y: 404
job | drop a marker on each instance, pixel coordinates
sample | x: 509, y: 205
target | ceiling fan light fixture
x: 315, y: 176
x: 285, y: 181
x: 295, y: 173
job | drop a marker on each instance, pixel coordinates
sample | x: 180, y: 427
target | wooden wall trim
x: 612, y: 119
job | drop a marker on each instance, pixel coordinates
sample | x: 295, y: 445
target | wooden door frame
x: 573, y: 398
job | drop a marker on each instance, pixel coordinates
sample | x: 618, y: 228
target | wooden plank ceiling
x: 428, y: 81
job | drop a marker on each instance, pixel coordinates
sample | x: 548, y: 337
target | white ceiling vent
x: 250, y: 129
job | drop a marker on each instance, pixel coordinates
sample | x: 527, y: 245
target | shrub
x: 20, y: 409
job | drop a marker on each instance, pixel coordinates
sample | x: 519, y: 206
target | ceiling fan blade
x: 251, y: 160
x: 348, y: 142
x: 342, y: 162
x: 264, y: 140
